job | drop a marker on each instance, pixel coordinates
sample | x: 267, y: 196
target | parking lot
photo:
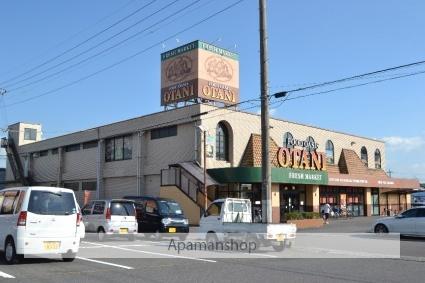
x: 151, y: 261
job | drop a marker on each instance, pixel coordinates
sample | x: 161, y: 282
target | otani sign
x: 199, y: 70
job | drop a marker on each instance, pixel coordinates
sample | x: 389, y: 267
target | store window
x: 287, y: 138
x: 222, y: 142
x: 375, y: 201
x: 377, y: 159
x: 43, y: 153
x: 30, y: 134
x: 89, y: 186
x: 118, y: 148
x: 75, y: 186
x: 345, y: 201
x: 90, y: 144
x: 164, y: 132
x: 330, y: 153
x: 72, y: 147
x: 363, y: 156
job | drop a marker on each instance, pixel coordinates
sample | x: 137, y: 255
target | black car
x: 159, y: 215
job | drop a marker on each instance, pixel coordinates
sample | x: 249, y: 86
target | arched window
x: 222, y: 142
x: 377, y: 159
x: 310, y: 144
x: 287, y: 138
x: 363, y: 155
x: 330, y: 152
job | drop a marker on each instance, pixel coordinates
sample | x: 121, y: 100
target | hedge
x: 302, y: 215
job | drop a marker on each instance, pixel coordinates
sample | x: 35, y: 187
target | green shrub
x: 302, y: 215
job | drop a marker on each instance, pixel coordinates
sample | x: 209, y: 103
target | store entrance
x: 292, y: 199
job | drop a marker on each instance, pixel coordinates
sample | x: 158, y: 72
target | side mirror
x: 399, y: 216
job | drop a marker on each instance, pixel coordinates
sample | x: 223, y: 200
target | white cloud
x: 406, y: 144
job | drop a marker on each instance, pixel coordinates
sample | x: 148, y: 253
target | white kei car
x: 409, y: 223
x: 39, y: 221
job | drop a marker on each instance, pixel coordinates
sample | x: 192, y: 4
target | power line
x: 79, y: 44
x: 104, y: 50
x: 353, y: 86
x: 359, y: 76
x: 129, y: 57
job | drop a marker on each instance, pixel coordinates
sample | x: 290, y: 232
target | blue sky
x: 309, y: 42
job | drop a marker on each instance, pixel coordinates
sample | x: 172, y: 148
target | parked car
x: 410, y: 223
x: 38, y: 221
x: 230, y: 217
x: 110, y: 217
x: 82, y: 227
x: 160, y: 215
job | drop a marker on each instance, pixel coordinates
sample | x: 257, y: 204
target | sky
x: 308, y: 42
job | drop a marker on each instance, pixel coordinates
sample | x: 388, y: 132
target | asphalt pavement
x: 158, y: 265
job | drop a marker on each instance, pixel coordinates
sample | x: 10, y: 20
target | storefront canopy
x: 279, y: 175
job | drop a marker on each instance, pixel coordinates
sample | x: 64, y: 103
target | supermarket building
x: 162, y: 154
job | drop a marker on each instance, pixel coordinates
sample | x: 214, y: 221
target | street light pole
x: 265, y: 153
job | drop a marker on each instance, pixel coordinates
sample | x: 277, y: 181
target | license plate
x: 48, y: 246
x: 172, y: 230
x: 280, y: 237
x: 123, y: 230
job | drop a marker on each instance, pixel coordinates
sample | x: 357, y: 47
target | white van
x: 110, y: 217
x: 38, y: 221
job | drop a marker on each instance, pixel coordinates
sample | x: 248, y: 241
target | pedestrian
x: 327, y: 210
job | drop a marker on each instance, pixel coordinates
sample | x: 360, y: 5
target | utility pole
x: 266, y: 189
x: 205, y: 170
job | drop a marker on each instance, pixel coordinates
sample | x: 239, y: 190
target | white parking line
x: 265, y: 255
x: 104, y: 262
x: 154, y: 253
x: 5, y: 275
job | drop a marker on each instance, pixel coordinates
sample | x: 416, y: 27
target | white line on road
x: 154, y: 253
x: 265, y: 255
x: 104, y: 262
x: 5, y: 275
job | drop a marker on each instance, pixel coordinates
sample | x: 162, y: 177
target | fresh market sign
x: 299, y: 176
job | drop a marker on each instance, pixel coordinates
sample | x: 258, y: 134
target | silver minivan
x: 38, y: 221
x: 110, y: 217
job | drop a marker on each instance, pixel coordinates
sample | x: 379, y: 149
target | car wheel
x: 211, y: 238
x: 10, y: 256
x: 101, y: 234
x: 381, y: 228
x: 69, y: 257
x: 279, y: 247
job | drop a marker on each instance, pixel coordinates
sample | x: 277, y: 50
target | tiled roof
x: 349, y: 162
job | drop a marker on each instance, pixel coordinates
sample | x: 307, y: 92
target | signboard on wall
x: 199, y: 70
x: 210, y: 143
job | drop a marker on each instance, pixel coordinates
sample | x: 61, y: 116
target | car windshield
x: 51, y: 203
x: 122, y: 209
x: 169, y: 207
